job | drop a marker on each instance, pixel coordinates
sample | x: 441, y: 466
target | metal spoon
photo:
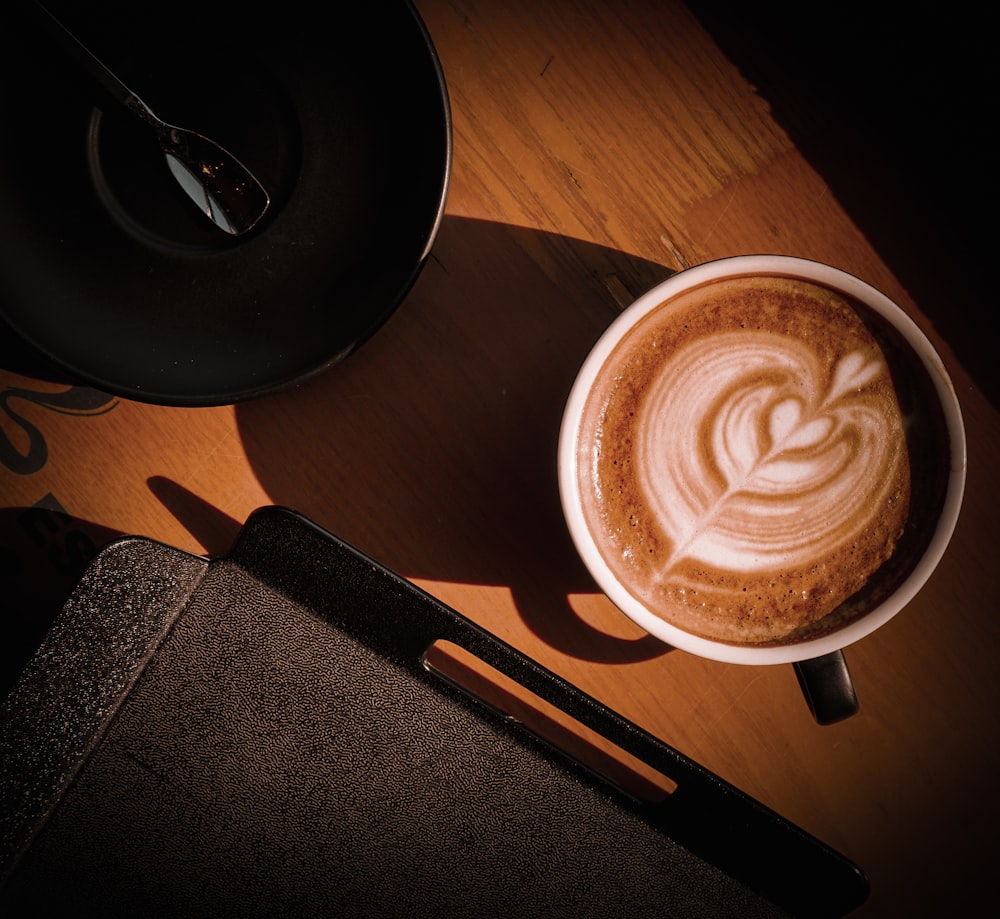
x: 224, y: 190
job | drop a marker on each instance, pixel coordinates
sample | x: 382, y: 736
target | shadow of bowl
x: 371, y: 449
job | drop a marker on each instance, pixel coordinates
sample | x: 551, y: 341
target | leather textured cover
x: 258, y: 736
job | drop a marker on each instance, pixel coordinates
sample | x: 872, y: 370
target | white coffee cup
x: 939, y: 531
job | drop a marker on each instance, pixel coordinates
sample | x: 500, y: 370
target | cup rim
x: 569, y: 488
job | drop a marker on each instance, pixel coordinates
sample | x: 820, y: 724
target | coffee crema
x: 742, y: 459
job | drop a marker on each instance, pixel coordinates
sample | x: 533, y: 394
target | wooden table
x: 599, y: 147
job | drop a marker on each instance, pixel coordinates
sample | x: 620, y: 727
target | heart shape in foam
x: 753, y: 455
x: 785, y: 426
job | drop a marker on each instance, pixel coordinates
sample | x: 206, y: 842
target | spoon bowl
x: 222, y: 188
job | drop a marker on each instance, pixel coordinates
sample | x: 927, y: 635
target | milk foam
x: 742, y: 463
x: 752, y: 456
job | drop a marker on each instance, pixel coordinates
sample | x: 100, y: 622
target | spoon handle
x: 87, y: 58
x: 223, y: 188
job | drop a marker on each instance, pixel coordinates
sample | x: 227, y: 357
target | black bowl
x: 109, y: 269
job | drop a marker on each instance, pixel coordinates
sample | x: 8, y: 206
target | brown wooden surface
x: 598, y: 148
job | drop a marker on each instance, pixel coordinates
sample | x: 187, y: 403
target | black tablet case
x: 258, y: 735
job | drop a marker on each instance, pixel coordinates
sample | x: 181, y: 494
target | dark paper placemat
x: 258, y: 736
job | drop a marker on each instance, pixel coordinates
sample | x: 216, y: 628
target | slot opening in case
x: 489, y: 686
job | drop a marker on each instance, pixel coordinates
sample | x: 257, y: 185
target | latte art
x: 750, y: 460
x: 746, y: 457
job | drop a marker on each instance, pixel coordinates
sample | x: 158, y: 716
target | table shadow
x: 370, y: 448
x: 43, y: 553
x: 888, y: 103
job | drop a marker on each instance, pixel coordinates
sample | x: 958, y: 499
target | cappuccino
x: 742, y: 462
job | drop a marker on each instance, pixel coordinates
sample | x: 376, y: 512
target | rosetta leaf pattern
x: 754, y: 455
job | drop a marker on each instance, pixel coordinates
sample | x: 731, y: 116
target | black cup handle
x: 827, y: 685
